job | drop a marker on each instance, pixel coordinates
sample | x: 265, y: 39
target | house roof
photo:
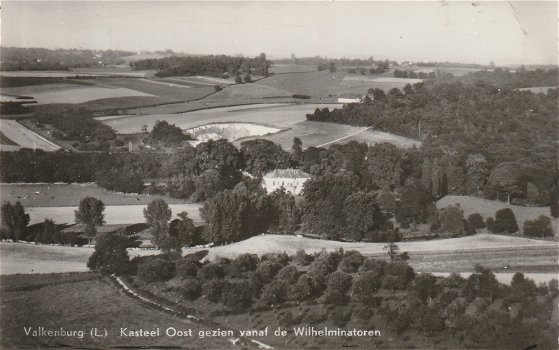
x: 288, y: 173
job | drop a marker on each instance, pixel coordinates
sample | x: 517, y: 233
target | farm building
x: 349, y: 98
x: 292, y: 180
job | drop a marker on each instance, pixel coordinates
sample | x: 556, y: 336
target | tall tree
x: 261, y: 156
x: 14, y: 219
x: 90, y: 214
x: 157, y: 215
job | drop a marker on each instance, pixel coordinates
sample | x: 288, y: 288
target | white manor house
x: 292, y: 180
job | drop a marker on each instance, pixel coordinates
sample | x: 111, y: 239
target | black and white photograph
x: 279, y: 175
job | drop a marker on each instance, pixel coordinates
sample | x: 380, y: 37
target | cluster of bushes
x: 410, y: 74
x: 477, y: 311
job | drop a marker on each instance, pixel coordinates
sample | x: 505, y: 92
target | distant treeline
x: 214, y: 66
x: 316, y: 60
x: 522, y: 78
x: 29, y: 59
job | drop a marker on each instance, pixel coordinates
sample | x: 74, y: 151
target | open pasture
x: 324, y: 134
x: 114, y: 214
x: 364, y: 82
x: 159, y: 87
x: 61, y: 194
x: 24, y: 137
x: 487, y: 208
x: 71, y: 93
x: 26, y: 258
x: 83, y: 305
x: 282, y: 68
x: 276, y: 115
x: 247, y: 93
x: 290, y: 244
x: 500, y: 253
x: 315, y: 84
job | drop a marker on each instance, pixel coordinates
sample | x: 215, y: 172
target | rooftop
x: 288, y: 173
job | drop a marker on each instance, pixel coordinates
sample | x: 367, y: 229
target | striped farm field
x: 24, y: 137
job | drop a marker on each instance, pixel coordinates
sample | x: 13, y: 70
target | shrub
x: 397, y: 276
x: 340, y: 316
x: 289, y: 274
x: 213, y: 289
x: 211, y: 271
x: 308, y: 286
x: 288, y: 320
x: 375, y: 266
x: 243, y: 263
x: 351, y: 261
x: 110, y: 255
x: 156, y: 270
x: 266, y: 270
x: 337, y: 284
x: 275, y: 293
x: 302, y: 258
x: 476, y: 221
x: 365, y: 287
x: 554, y: 209
x: 279, y: 258
x: 192, y: 288
x: 540, y: 227
x: 237, y: 295
x: 490, y: 224
x: 505, y: 221
x: 187, y: 267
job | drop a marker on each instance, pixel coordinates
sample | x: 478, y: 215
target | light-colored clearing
x: 323, y: 134
x: 34, y: 258
x: 24, y: 136
x: 62, y: 194
x: 290, y: 244
x: 230, y: 131
x: 487, y: 208
x: 81, y: 94
x: 506, y: 278
x: 114, y: 214
x: 276, y: 115
x: 374, y: 79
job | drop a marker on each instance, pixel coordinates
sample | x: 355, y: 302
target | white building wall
x: 294, y: 186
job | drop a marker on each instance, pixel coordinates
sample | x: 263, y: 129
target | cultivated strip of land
x: 25, y: 137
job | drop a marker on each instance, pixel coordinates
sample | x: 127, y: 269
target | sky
x: 457, y: 31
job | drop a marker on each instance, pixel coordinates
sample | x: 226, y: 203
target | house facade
x: 292, y: 180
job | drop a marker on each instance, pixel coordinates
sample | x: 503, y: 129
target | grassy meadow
x: 65, y: 301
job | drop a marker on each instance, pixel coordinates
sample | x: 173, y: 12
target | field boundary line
x: 345, y: 137
x: 39, y: 136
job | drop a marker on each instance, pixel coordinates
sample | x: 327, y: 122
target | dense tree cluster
x: 167, y: 134
x: 477, y: 139
x: 344, y: 288
x: 205, y: 65
x: 29, y: 59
